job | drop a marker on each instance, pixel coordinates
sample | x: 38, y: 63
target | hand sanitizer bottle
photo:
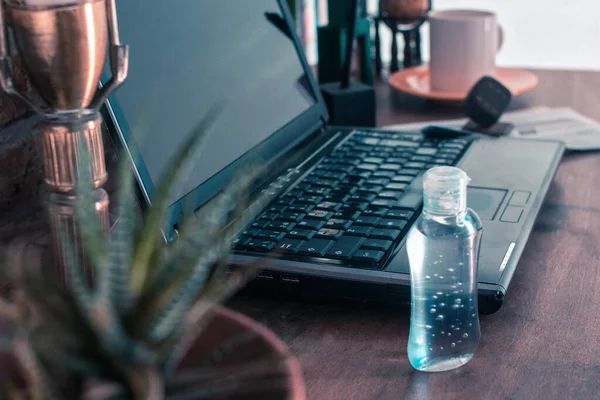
x: 443, y: 251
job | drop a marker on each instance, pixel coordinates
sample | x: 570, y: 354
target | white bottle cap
x: 445, y: 191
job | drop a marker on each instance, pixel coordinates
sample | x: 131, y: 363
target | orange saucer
x: 415, y: 81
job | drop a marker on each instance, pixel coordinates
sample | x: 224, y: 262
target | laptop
x: 343, y: 198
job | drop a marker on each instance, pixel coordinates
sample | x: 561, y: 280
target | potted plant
x: 149, y: 324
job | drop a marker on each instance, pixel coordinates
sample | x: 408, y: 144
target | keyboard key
x: 329, y: 206
x: 384, y: 174
x: 287, y: 199
x: 355, y: 230
x: 313, y: 224
x: 290, y: 216
x: 403, y: 179
x: 240, y: 242
x: 367, y: 167
x: 415, y: 165
x: 280, y: 226
x: 309, y: 199
x: 396, y: 160
x: 374, y: 212
x: 355, y: 206
x: 326, y: 233
x: 269, y: 216
x: 448, y: 152
x: 288, y: 245
x: 302, y: 234
x: 319, y: 214
x: 369, y: 256
x: 452, y: 145
x: 396, y: 186
x: 424, y: 159
x: 357, y: 174
x: 443, y: 161
x: 338, y: 168
x: 316, y: 181
x: 277, y: 208
x: 315, y: 247
x: 362, y: 197
x: 389, y: 194
x: 259, y: 245
x: 377, y: 244
x: 464, y: 142
x: 409, y: 172
x: 373, y: 160
x: 368, y: 221
x: 342, y: 192
x: 273, y: 236
x: 348, y: 214
x: 370, y: 189
x: 294, y: 193
x: 259, y: 224
x: 318, y: 191
x: 413, y: 196
x: 335, y: 175
x: 337, y: 198
x: 302, y: 186
x: 338, y: 223
x: 398, y: 143
x: 378, y: 181
x: 385, y: 234
x: 379, y: 154
x: 391, y: 223
x: 426, y: 151
x: 384, y: 202
x: 400, y: 214
x: 250, y: 232
x: 345, y: 247
x: 390, y: 167
x: 369, y: 141
x: 300, y: 208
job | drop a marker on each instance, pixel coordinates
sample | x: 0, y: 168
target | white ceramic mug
x: 463, y: 45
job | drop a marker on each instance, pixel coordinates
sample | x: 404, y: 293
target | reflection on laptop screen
x: 186, y: 55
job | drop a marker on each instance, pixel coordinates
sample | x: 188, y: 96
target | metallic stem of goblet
x: 61, y: 144
x: 66, y: 231
x: 62, y: 162
x: 64, y: 60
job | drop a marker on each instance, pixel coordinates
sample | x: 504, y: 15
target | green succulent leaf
x: 196, y: 237
x: 75, y: 361
x: 217, y: 289
x: 146, y: 245
x: 115, y: 285
x: 74, y: 270
x: 88, y: 221
x: 59, y: 310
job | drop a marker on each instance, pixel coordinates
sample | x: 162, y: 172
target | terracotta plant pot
x: 251, y: 342
x: 242, y: 343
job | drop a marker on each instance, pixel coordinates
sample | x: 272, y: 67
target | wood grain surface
x: 545, y: 341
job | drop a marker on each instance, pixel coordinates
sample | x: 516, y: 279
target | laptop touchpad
x: 485, y: 202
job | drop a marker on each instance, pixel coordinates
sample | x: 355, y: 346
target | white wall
x: 562, y: 34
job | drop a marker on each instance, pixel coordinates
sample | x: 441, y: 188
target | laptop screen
x: 187, y: 55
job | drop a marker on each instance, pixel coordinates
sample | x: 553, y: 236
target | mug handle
x: 500, y: 38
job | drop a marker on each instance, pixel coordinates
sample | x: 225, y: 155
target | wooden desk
x: 544, y: 342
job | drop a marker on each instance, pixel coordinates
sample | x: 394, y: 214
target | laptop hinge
x: 323, y: 122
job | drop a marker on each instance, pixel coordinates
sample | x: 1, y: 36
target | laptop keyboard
x: 355, y: 205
